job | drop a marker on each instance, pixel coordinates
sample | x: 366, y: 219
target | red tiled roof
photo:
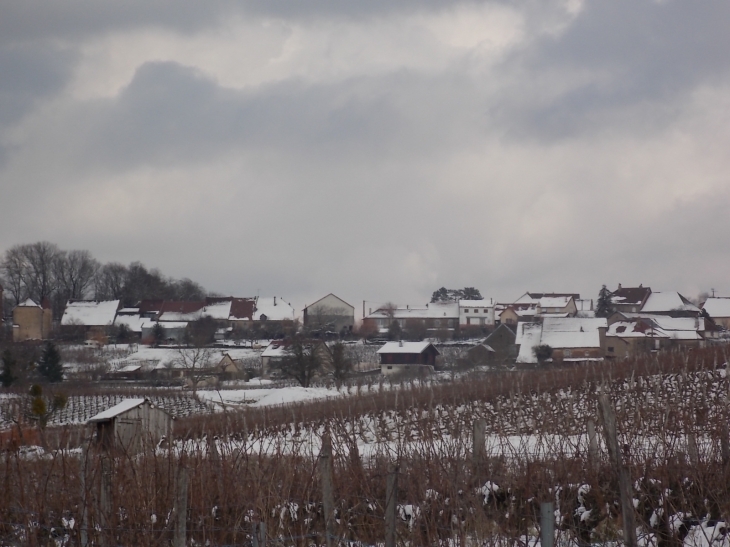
x: 243, y: 308
x: 178, y: 306
x: 631, y: 295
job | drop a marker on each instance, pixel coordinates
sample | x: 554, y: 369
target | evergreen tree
x: 604, y: 305
x: 50, y: 363
x: 8, y: 376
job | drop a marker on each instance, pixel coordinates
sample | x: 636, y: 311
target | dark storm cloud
x: 643, y: 57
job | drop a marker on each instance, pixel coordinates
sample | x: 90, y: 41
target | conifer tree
x: 604, y: 306
x: 8, y: 375
x: 50, y: 363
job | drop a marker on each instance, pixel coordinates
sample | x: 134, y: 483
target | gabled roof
x: 630, y: 295
x: 330, y: 294
x: 116, y: 410
x: 90, y: 313
x: 534, y: 297
x: 274, y: 308
x: 717, y: 306
x: 668, y: 301
x: 29, y: 303
x: 406, y: 347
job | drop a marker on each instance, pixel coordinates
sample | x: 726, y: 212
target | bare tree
x: 13, y: 272
x: 301, y: 363
x: 110, y: 281
x: 40, y: 278
x: 75, y: 273
x: 196, y: 363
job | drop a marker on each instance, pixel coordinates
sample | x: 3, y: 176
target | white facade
x: 476, y: 312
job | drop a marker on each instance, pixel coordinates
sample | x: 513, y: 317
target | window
x: 390, y: 367
x: 466, y: 311
x: 567, y: 353
x: 610, y: 348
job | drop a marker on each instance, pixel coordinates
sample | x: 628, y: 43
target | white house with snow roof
x: 572, y: 339
x: 433, y: 317
x: 401, y: 357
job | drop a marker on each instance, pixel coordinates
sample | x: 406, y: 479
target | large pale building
x: 32, y: 321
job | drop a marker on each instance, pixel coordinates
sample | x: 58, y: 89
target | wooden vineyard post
x: 592, y: 444
x: 181, y: 508
x: 547, y: 524
x: 624, y: 481
x: 105, y: 500
x: 692, y: 450
x: 478, y: 448
x: 84, y: 534
x: 724, y: 444
x: 391, y: 504
x: 259, y: 534
x: 325, y: 476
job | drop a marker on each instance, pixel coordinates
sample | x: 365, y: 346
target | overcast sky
x: 373, y: 149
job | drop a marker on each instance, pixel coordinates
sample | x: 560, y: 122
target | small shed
x: 131, y: 425
x: 399, y: 357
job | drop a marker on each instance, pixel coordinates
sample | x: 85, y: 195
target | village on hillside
x: 241, y: 338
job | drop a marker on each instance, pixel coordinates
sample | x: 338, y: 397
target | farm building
x: 131, y: 425
x: 399, y: 357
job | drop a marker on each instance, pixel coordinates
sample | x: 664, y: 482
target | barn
x: 131, y: 425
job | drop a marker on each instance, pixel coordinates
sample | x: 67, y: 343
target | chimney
x: 274, y: 301
x: 619, y: 286
x: 400, y: 343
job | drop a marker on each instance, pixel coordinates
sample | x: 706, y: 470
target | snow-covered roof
x: 218, y: 310
x: 116, y: 410
x: 633, y: 329
x: 134, y: 323
x: 668, y: 301
x: 449, y: 310
x: 717, y: 306
x: 274, y: 308
x: 404, y: 347
x: 275, y: 350
x: 90, y: 313
x: 486, y: 303
x: 572, y: 332
x: 554, y: 301
x: 671, y: 323
x: 30, y: 303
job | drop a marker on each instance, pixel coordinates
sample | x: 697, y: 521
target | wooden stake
x: 181, y: 508
x: 391, y: 503
x: 624, y: 481
x: 325, y: 477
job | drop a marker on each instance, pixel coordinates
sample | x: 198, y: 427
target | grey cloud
x: 644, y: 57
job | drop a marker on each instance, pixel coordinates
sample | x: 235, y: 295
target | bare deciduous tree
x: 75, y: 273
x: 196, y: 363
x: 110, y: 281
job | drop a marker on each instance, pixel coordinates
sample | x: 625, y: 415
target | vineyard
x: 463, y: 463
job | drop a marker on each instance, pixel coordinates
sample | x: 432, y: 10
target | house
x: 536, y: 306
x: 432, y: 319
x: 329, y: 313
x: 32, y: 321
x: 502, y: 341
x: 400, y: 357
x: 584, y: 308
x: 625, y: 338
x: 476, y: 356
x: 279, y: 350
x: 273, y: 308
x: 180, y: 311
x: 572, y: 339
x: 174, y: 332
x: 630, y: 299
x: 241, y: 313
x: 669, y: 303
x: 476, y: 313
x: 665, y: 331
x: 131, y: 426
x: 94, y: 318
x: 718, y: 308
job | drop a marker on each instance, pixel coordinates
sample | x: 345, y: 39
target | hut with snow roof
x: 131, y: 426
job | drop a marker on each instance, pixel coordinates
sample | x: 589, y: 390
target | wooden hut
x: 131, y: 425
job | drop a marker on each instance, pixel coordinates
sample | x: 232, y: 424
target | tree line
x: 43, y: 271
